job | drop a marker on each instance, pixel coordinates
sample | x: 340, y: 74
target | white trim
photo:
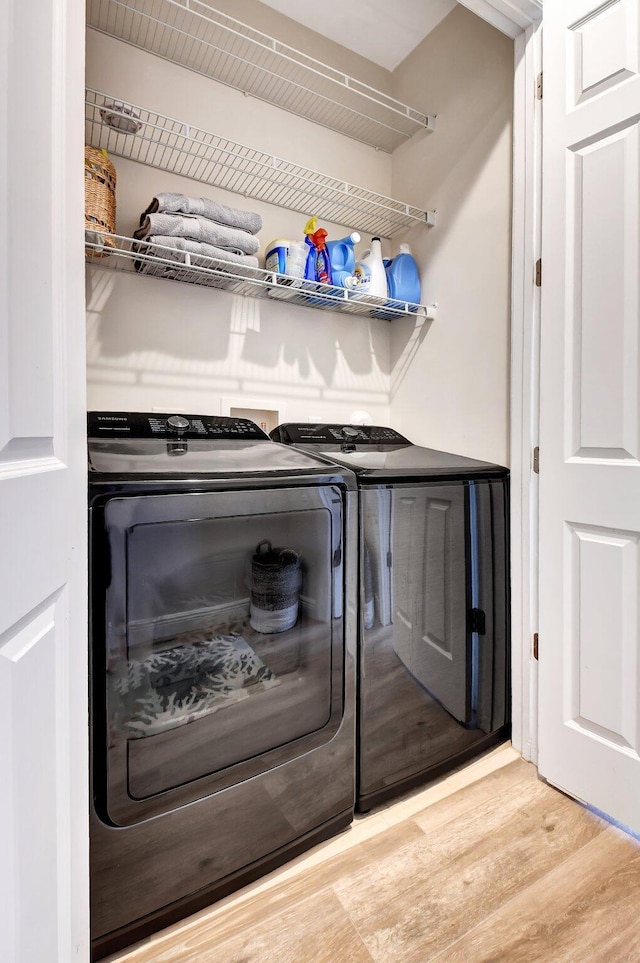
x: 509, y: 16
x: 525, y: 333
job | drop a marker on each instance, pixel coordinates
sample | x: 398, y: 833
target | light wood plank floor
x: 489, y: 865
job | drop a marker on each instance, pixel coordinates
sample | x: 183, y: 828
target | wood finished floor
x: 489, y: 865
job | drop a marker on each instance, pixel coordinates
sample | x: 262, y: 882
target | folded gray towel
x: 169, y: 203
x: 198, y: 253
x: 198, y: 229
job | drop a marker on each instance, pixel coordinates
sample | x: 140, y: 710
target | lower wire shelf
x: 115, y: 252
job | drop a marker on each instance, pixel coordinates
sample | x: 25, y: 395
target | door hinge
x: 535, y: 646
x: 389, y: 560
x: 539, y: 273
x: 536, y: 460
x: 539, y: 86
x: 478, y: 621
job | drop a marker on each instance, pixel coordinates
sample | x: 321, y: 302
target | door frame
x: 524, y: 392
x: 511, y: 17
x: 522, y: 21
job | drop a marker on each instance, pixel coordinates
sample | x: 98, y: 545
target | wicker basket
x: 99, y: 198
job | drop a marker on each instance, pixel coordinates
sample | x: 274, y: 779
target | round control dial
x: 177, y: 423
x: 350, y: 432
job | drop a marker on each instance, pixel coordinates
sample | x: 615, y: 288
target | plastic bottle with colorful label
x: 343, y: 258
x: 369, y: 276
x: 322, y: 262
x: 276, y: 255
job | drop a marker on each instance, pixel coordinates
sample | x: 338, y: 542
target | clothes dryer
x: 433, y: 680
x: 222, y: 662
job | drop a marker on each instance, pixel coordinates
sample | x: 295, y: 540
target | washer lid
x: 123, y: 443
x: 411, y: 461
x: 378, y: 453
x: 161, y: 457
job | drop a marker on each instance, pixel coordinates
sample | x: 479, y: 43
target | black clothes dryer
x: 222, y: 662
x: 433, y: 679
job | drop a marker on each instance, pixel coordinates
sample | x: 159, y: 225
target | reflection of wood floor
x: 490, y: 864
x: 405, y: 731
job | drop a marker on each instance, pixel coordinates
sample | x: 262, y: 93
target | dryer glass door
x: 433, y: 681
x: 221, y: 650
x: 430, y: 593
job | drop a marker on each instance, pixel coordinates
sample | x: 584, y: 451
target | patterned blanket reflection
x: 175, y: 686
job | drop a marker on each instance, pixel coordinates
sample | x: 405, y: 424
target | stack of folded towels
x: 199, y: 227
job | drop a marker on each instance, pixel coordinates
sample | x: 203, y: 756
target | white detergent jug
x: 369, y: 276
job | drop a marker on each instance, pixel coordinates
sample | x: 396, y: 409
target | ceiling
x: 383, y: 31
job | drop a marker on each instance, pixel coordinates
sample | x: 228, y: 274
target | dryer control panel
x: 124, y: 424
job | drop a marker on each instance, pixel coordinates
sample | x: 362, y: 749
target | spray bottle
x: 310, y: 266
x: 322, y: 262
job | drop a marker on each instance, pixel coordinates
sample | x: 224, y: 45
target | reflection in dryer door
x: 430, y: 592
x: 194, y: 689
x: 376, y: 552
x: 433, y: 687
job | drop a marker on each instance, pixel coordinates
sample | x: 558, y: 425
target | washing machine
x: 433, y: 673
x: 222, y: 653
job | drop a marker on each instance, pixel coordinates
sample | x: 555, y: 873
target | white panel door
x: 43, y: 650
x: 589, y: 669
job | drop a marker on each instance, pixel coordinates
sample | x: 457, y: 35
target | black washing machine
x: 433, y: 673
x: 222, y: 662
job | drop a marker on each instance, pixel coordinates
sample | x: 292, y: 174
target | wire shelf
x: 194, y: 35
x: 171, y: 145
x: 154, y: 260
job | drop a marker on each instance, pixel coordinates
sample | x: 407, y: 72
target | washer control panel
x: 123, y: 424
x: 300, y: 433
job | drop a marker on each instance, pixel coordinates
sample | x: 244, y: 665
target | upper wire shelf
x: 120, y: 253
x: 196, y: 36
x: 134, y: 132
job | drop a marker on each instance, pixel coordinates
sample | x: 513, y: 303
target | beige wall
x: 176, y: 346
x: 450, y: 380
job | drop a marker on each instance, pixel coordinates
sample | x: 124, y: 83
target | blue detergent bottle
x: 403, y: 277
x: 343, y: 257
